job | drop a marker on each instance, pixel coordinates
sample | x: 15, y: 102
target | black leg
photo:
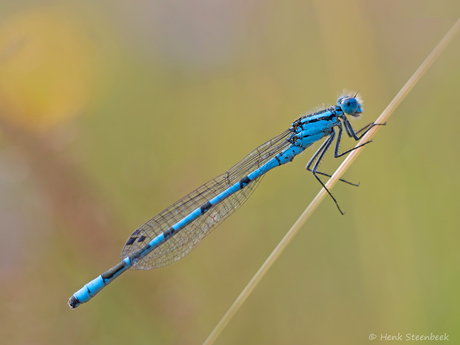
x: 365, y: 127
x: 337, y: 154
x: 340, y: 179
x: 351, y: 132
x: 372, y: 124
x: 321, y: 153
x: 312, y: 159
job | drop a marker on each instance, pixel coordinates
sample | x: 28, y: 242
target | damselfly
x: 173, y: 233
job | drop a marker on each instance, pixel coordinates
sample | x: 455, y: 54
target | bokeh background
x: 110, y: 111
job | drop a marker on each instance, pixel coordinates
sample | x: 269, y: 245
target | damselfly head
x: 351, y: 105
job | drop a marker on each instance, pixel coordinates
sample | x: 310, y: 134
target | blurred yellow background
x: 110, y: 111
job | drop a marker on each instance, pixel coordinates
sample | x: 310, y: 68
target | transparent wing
x: 189, y: 237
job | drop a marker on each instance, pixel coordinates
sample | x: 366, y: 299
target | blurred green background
x: 110, y: 111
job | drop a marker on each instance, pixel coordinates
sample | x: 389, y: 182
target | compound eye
x: 349, y: 105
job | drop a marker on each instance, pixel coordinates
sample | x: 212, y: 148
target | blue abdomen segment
x: 289, y: 154
x: 93, y: 287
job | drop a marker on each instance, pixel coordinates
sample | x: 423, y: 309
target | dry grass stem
x: 339, y: 172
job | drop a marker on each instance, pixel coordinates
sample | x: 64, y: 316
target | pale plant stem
x: 332, y: 181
